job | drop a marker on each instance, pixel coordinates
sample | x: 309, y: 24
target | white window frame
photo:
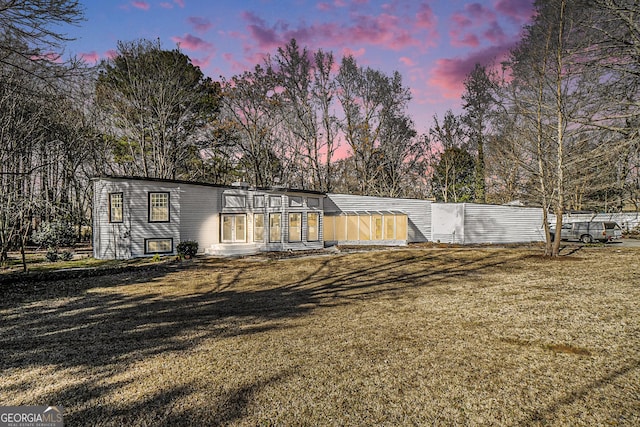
x: 255, y: 227
x: 297, y: 229
x: 317, y: 231
x: 275, y: 201
x: 279, y: 226
x: 234, y: 237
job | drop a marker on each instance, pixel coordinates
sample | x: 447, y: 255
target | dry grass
x: 419, y: 336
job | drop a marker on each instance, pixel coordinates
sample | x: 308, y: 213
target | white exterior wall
x: 195, y: 214
x: 251, y: 245
x: 418, y: 211
x: 447, y: 222
x: 200, y: 219
x: 468, y: 223
x: 126, y: 239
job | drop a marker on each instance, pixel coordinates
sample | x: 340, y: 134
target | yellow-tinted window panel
x: 401, y: 227
x: 341, y: 227
x: 352, y: 227
x: 329, y: 228
x: 376, y: 223
x: 365, y: 227
x: 389, y: 227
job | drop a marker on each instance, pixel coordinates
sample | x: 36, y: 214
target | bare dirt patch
x: 412, y: 336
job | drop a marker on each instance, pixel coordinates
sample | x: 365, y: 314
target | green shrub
x: 187, y: 248
x: 55, y: 234
x: 66, y: 255
x: 52, y: 254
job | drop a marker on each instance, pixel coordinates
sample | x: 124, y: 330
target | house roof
x: 206, y: 184
x: 338, y: 213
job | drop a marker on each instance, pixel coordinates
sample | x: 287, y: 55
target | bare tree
x: 306, y: 105
x: 30, y: 36
x: 249, y: 101
x: 372, y: 102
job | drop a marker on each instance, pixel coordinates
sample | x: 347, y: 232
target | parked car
x: 590, y: 231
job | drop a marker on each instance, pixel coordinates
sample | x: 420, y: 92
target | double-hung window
x: 115, y: 207
x: 159, y: 207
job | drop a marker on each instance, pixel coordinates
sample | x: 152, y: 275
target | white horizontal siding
x: 127, y: 239
x: 502, y: 224
x: 468, y: 223
x: 200, y: 215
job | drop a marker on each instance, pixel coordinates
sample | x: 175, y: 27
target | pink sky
x: 432, y: 43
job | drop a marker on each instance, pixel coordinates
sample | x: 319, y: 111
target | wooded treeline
x: 556, y: 125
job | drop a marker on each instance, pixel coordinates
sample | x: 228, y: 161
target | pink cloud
x: 449, y: 73
x: 324, y: 6
x: 92, y: 56
x: 236, y: 66
x: 355, y: 53
x: 191, y: 42
x: 111, y: 54
x: 166, y: 5
x: 475, y: 18
x: 407, y: 61
x: 520, y: 11
x: 199, y: 24
x: 425, y: 18
x: 179, y: 3
x: 384, y: 30
x: 460, y: 20
x: 468, y: 40
x: 142, y: 5
x: 202, y: 63
x: 478, y: 12
x: 495, y: 33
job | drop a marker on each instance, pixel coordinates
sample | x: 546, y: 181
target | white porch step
x: 231, y: 249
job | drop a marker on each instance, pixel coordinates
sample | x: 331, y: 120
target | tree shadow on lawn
x: 102, y: 332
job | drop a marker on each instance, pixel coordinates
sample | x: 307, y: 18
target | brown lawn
x: 417, y: 336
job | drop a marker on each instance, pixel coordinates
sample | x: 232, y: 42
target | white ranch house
x: 137, y: 217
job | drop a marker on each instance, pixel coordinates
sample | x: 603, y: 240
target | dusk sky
x: 433, y: 43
